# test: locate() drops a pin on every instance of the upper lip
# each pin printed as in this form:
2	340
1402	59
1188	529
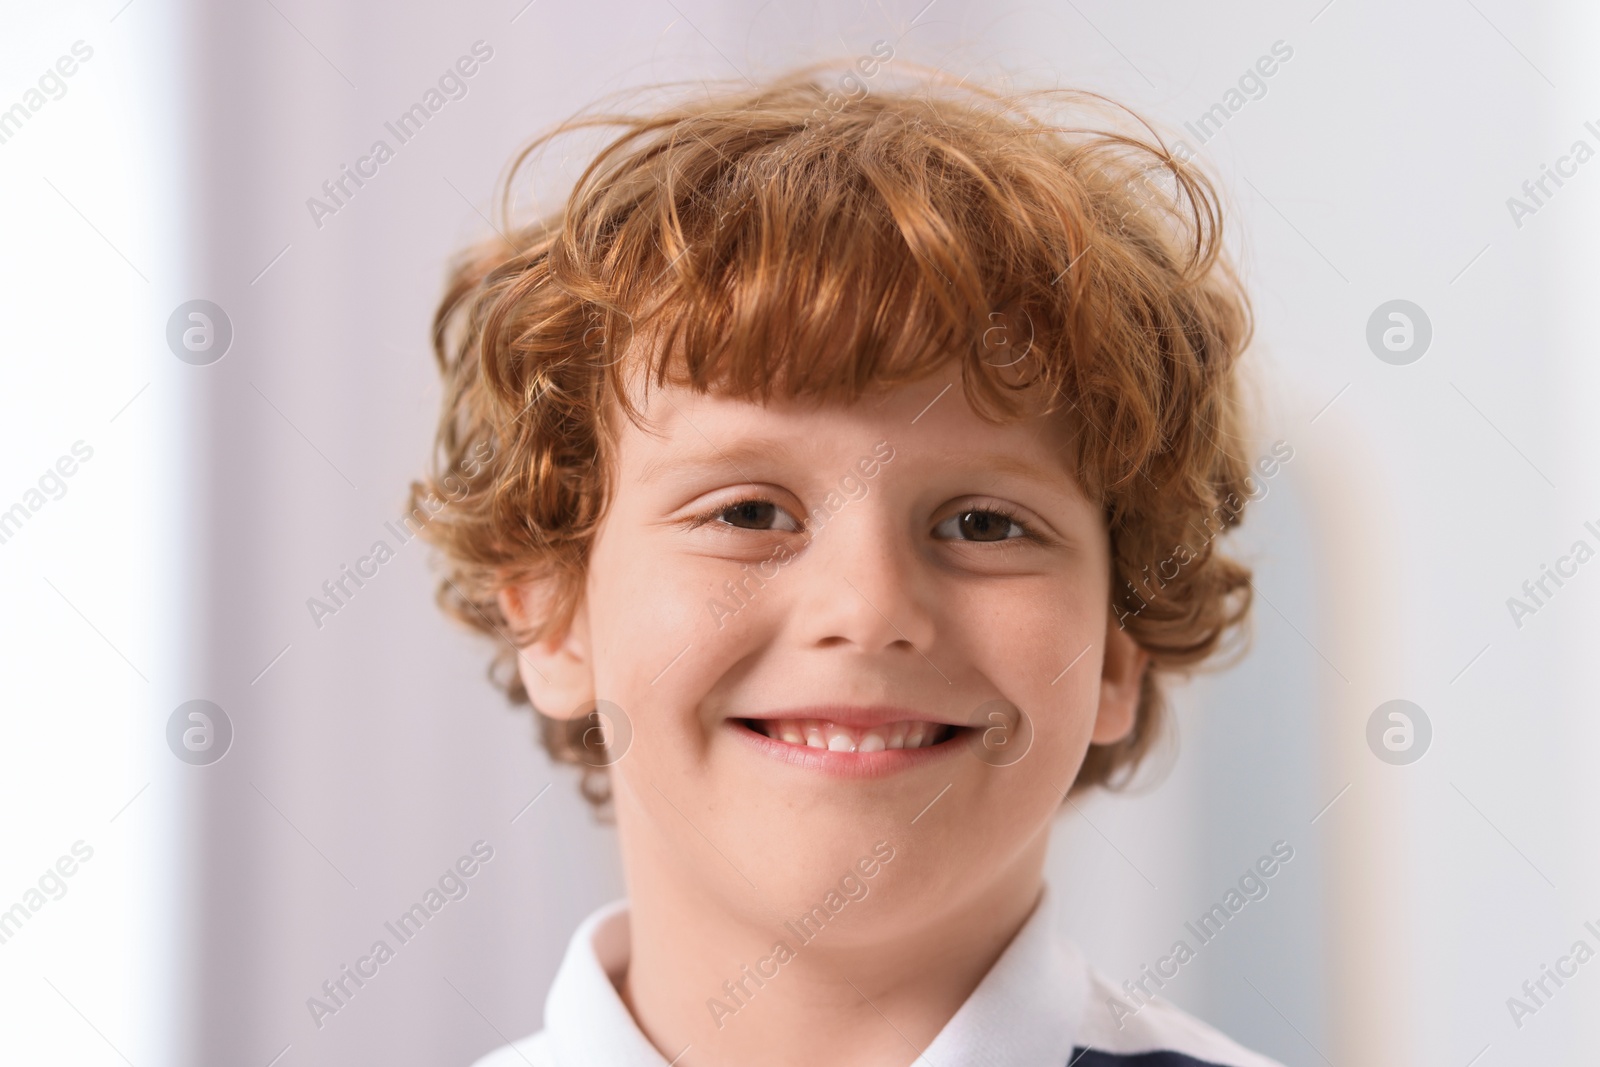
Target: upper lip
859	716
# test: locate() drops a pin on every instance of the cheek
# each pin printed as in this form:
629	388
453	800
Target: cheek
665	632
1040	643
641	616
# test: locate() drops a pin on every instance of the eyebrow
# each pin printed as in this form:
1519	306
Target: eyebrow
708	456
712	457
1006	463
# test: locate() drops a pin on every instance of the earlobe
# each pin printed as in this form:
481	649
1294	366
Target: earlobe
1121	682
555	669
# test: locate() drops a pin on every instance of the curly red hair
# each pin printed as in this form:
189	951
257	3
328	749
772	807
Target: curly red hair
785	240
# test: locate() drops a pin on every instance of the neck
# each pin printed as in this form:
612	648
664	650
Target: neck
707	971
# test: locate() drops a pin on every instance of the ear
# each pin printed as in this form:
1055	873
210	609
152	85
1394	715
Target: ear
1121	680
557	669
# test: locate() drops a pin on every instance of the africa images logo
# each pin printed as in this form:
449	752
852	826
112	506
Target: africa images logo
199	732
1399	732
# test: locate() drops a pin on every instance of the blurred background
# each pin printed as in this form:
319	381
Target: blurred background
173	490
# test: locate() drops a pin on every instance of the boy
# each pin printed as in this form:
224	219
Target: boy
833	440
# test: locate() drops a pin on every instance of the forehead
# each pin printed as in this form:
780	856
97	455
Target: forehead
929	422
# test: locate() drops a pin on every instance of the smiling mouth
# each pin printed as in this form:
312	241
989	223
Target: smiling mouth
820	733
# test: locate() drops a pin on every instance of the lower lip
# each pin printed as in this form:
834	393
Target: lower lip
845	764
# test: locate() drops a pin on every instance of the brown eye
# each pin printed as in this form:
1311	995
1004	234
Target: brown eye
983	526
751	514
757	515
978	525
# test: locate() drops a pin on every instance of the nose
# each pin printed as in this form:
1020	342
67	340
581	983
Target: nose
865	587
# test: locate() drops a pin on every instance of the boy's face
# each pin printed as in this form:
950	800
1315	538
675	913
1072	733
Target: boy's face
801	611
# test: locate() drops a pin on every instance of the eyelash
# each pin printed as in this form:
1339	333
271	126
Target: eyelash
1009	515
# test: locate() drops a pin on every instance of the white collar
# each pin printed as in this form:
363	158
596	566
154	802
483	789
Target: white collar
1015	1017
586	1021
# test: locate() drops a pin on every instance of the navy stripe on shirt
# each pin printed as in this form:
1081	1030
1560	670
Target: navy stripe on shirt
1082	1057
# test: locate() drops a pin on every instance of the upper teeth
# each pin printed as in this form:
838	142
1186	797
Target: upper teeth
819	733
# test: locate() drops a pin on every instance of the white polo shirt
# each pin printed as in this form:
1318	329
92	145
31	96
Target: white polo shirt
1040	1005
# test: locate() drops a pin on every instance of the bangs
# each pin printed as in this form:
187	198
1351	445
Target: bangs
808	272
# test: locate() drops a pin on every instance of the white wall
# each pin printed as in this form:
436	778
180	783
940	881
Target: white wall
94	423
372	753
